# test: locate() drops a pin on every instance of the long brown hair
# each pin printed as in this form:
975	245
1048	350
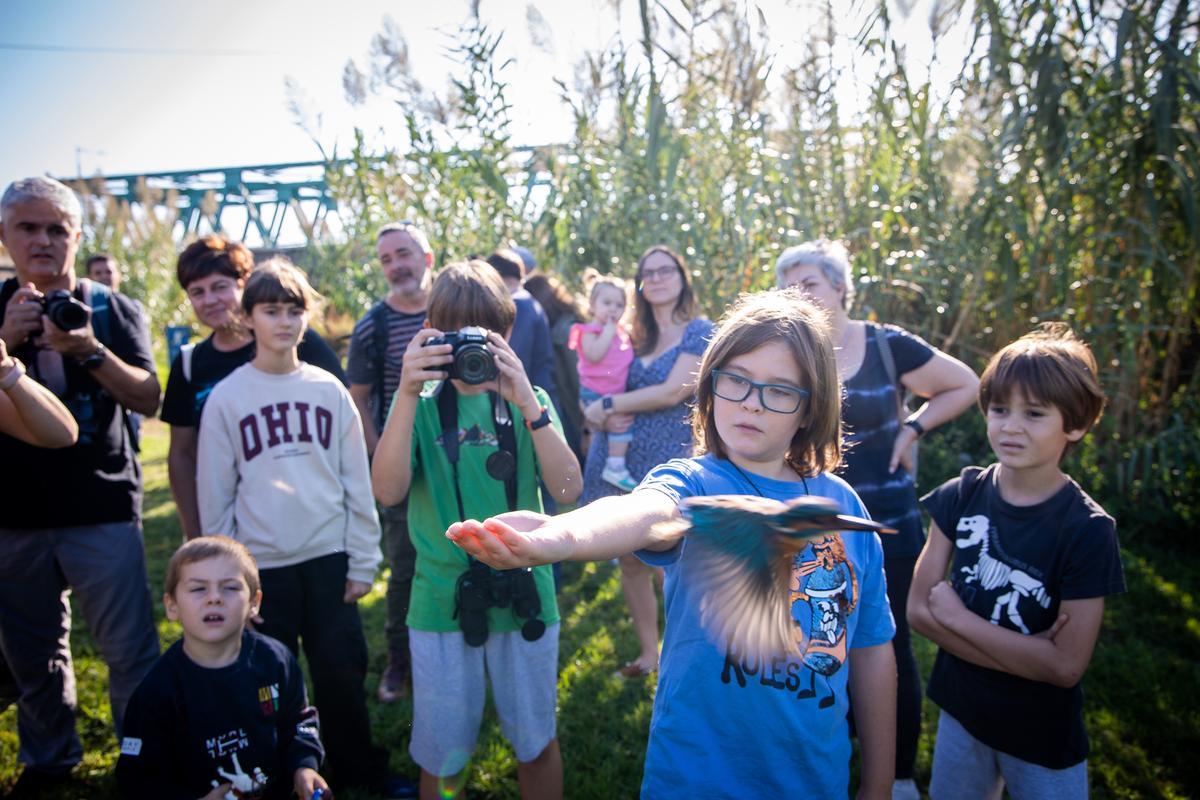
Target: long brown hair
784	316
555	298
644	330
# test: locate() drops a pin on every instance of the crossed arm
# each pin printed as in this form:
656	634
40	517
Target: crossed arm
1059	656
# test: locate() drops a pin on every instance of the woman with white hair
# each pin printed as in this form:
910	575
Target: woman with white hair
878	364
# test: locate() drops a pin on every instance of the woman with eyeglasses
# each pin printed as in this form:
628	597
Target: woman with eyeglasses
878	364
668	339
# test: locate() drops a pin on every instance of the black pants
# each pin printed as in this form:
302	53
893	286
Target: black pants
899	573
304	602
402	558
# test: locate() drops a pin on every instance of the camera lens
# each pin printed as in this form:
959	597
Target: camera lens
533	629
65	311
473	364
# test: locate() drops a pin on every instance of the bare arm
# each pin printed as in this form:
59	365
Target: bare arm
1060	659
678	387
30	412
950	387
134	388
873	697
931	569
607	528
181	472
391	470
559	466
361	393
595	345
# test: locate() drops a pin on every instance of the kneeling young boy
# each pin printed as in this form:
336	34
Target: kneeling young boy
223	707
473	446
1032	558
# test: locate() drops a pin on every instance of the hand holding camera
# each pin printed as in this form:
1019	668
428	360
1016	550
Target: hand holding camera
63	322
22	316
477	357
424	360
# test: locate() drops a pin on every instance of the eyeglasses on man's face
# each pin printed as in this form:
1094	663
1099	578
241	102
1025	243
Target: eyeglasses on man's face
659	273
776	397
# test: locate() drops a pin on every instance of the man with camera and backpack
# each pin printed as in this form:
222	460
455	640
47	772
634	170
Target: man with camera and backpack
468	437
74	516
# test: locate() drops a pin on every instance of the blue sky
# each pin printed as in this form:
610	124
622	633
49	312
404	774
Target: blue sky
146	85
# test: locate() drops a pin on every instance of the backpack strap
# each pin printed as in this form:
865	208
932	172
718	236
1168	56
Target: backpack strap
379	340
889	366
99	298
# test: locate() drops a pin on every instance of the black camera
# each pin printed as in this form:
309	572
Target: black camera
473	360
64	311
481	588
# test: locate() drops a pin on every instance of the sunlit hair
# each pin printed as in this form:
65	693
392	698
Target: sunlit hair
470	293
48	190
555	298
594	280
1050	366
644	330
278	280
404	226
205	547
788	317
508	263
214	254
830	256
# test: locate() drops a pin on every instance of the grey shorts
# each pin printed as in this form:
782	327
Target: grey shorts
964	768
449	694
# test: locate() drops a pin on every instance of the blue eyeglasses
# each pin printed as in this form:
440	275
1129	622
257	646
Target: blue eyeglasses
773	396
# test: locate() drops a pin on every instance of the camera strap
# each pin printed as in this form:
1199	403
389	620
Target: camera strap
447	403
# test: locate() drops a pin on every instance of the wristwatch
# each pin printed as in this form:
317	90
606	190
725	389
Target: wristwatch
916	426
606	402
13	375
542	421
95	359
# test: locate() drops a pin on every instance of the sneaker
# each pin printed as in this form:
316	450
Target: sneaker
393	683
905	789
619	478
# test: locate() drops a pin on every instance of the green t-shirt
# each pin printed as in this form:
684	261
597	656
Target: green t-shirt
432	506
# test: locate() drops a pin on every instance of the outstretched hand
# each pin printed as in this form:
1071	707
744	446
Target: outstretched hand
508	541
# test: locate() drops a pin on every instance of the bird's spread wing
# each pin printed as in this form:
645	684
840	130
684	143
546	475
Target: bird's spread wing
744	574
742	549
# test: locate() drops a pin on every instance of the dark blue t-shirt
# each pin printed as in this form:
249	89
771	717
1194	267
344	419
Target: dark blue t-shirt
870	414
1014	565
99	475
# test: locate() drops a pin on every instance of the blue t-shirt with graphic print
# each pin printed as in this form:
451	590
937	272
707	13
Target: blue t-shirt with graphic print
724	726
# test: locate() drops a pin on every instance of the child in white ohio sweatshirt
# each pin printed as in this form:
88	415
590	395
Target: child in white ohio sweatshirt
282	468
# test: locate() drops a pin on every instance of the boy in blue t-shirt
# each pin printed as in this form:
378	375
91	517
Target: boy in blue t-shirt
475	445
1031	558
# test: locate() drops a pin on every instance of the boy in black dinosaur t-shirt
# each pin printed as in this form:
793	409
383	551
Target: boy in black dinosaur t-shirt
224	708
1032	558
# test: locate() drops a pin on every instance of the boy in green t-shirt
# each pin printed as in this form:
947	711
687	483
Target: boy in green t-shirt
464	619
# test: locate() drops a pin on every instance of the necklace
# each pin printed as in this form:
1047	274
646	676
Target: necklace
754	486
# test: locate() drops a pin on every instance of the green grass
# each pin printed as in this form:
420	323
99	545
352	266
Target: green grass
1143	689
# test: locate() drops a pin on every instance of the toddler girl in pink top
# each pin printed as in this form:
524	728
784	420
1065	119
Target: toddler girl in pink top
606	352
